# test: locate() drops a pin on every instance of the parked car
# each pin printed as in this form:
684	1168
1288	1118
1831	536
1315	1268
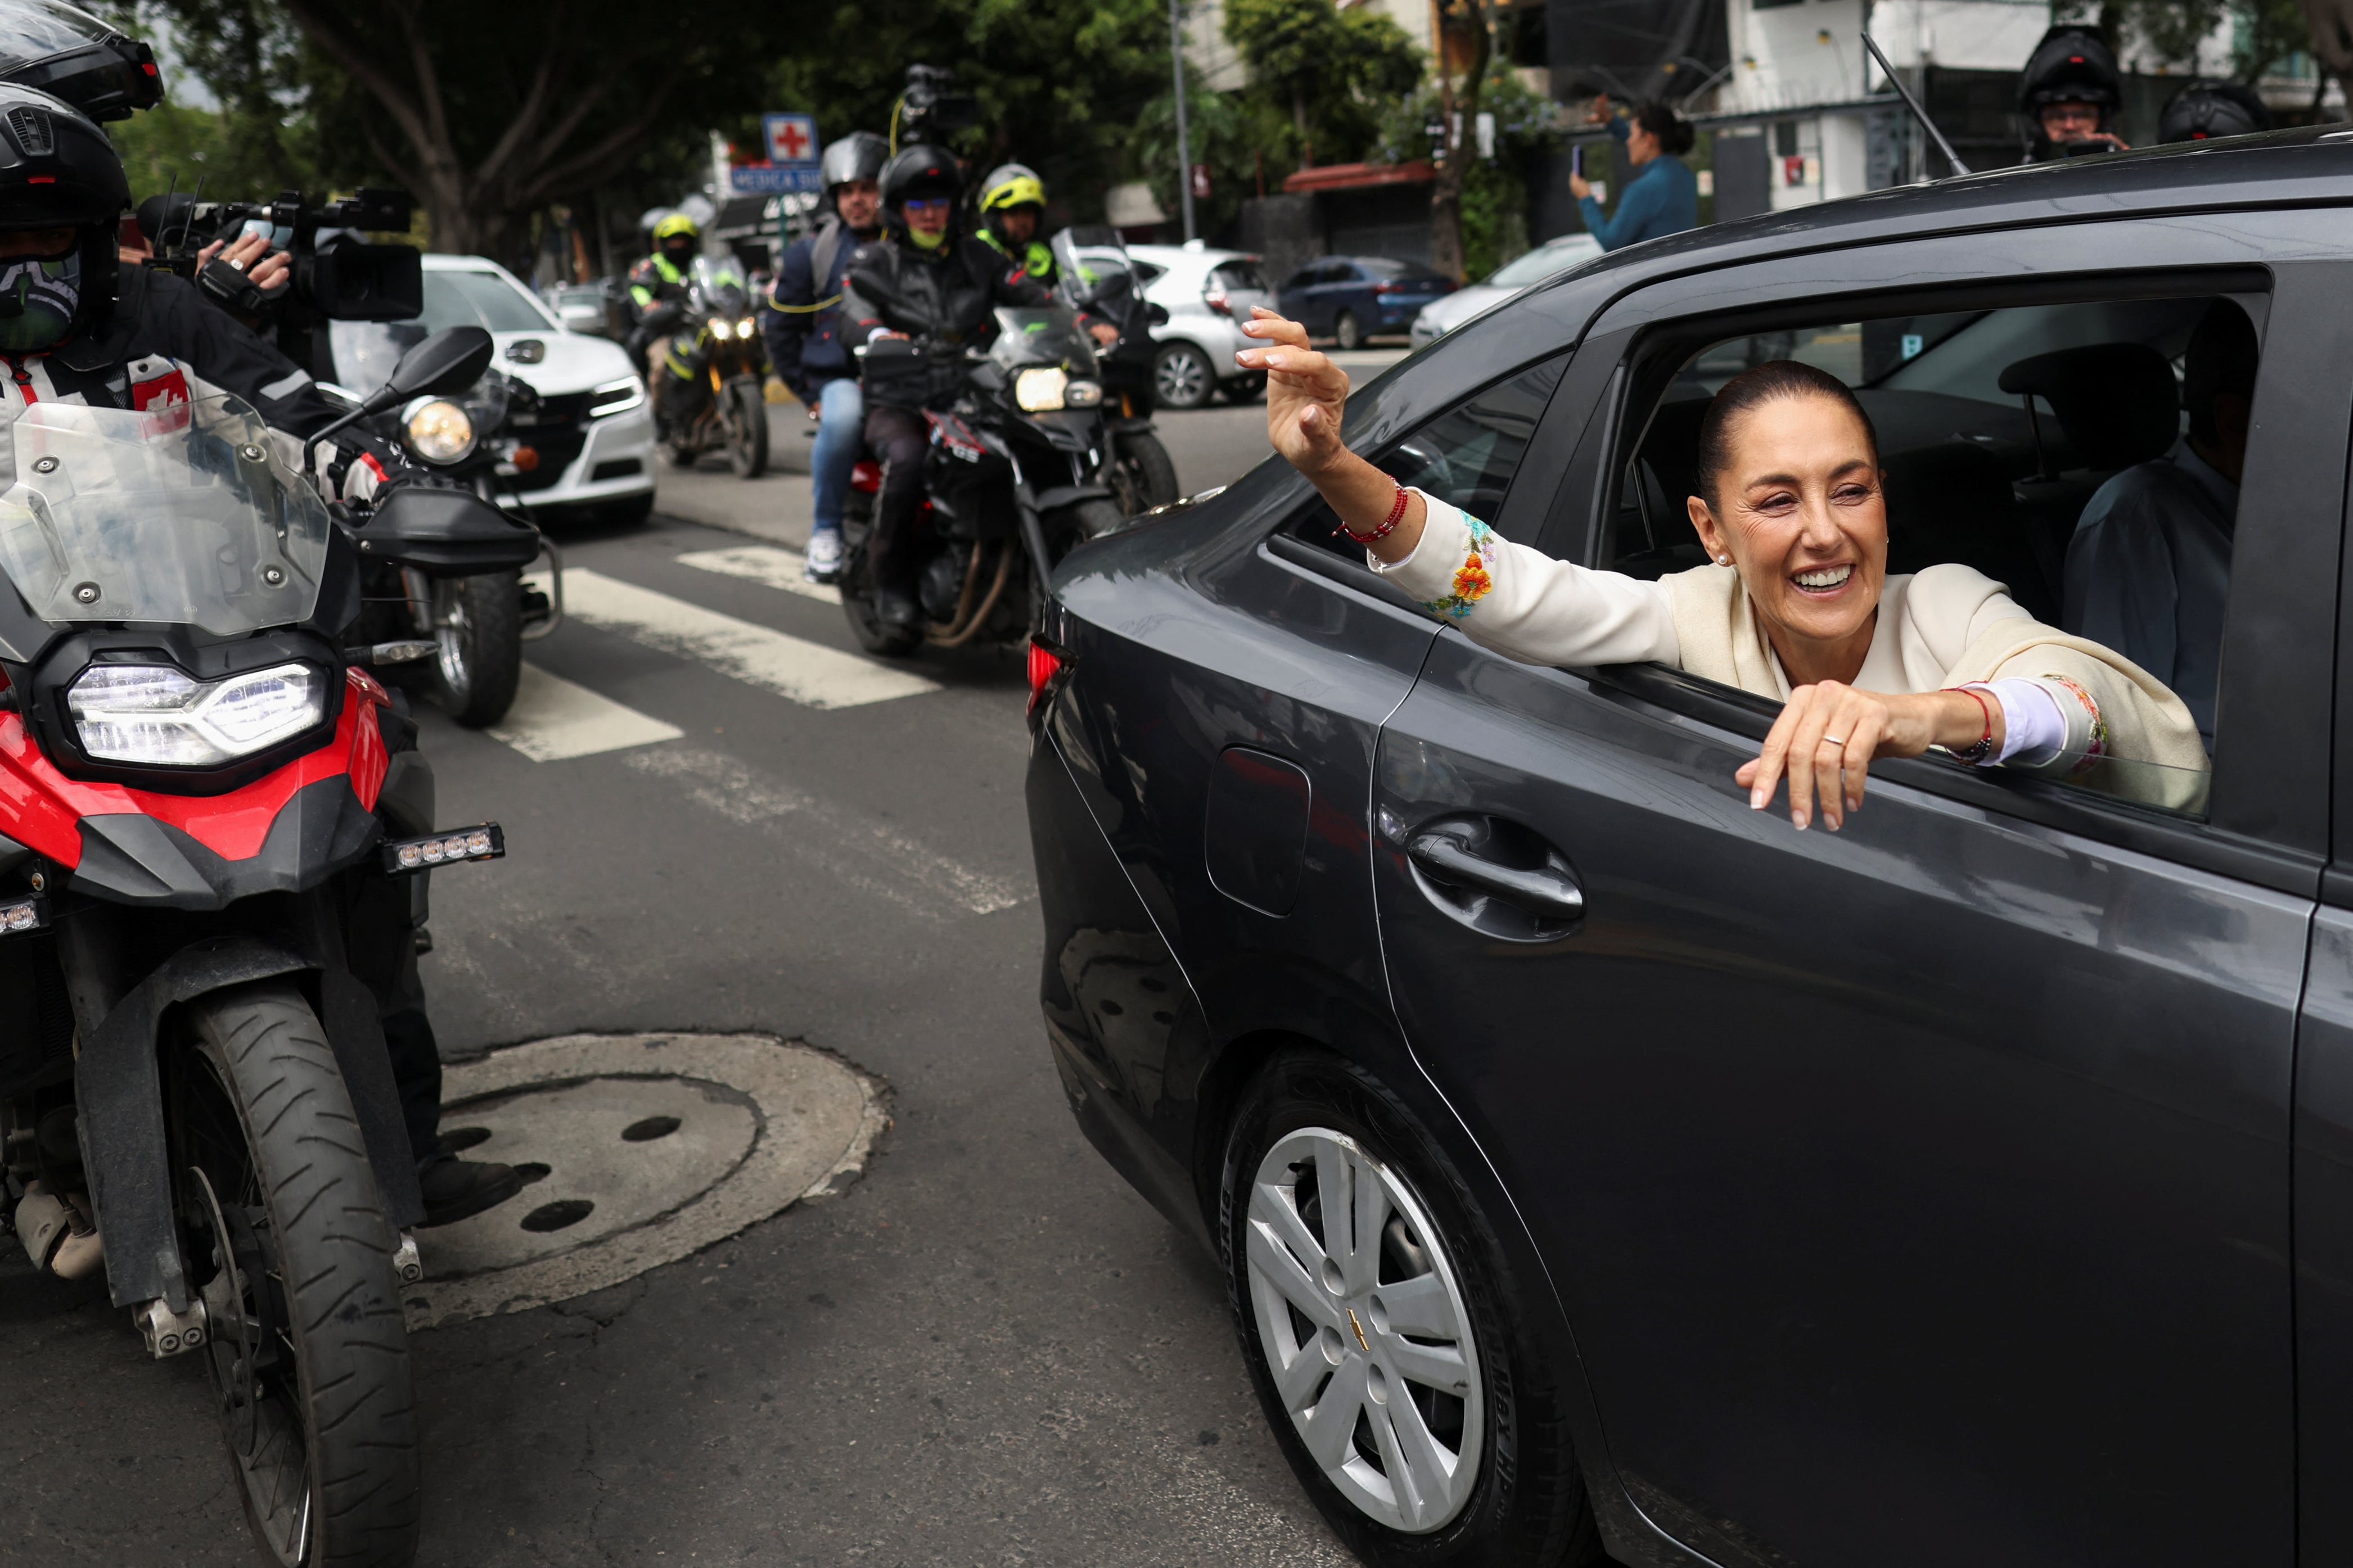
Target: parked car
573	403
1553	256
589	308
1597	1164
1349	299
1208	295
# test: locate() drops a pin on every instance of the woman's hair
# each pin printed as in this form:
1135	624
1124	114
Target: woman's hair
1777	381
1673	132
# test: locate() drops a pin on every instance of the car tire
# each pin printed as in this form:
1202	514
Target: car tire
1513	1494
1347	331
1182	378
629	513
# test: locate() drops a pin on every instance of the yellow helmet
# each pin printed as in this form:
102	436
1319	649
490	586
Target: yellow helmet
674	225
1012	185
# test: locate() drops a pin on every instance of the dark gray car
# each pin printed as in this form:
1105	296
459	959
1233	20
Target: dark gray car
1597	1162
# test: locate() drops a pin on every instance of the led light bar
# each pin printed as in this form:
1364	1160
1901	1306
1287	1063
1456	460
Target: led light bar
483	842
23	914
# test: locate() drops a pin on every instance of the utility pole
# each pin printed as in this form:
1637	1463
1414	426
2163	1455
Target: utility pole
1183	141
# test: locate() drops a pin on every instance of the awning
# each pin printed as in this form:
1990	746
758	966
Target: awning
1358	176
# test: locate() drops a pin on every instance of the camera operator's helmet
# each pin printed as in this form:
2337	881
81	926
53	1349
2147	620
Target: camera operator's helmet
921	172
857	157
677	238
1010	186
63	174
72	54
2209	109
2072	64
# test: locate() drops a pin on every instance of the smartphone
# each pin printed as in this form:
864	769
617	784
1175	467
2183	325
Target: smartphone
1576	161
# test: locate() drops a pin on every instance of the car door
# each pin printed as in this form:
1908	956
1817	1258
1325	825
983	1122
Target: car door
1918	1192
1297	293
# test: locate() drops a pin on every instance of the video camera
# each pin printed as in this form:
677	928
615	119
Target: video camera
339	279
931	107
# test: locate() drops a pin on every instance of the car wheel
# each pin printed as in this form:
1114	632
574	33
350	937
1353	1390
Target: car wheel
1385	1333
1348	332
1181	377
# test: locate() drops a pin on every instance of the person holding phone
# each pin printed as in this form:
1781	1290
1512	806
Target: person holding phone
1660	195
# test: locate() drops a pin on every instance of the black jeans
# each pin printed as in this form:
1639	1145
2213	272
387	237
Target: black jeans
380	937
899	436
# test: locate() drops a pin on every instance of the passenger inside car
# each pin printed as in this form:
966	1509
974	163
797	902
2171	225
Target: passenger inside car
1794	600
2148	569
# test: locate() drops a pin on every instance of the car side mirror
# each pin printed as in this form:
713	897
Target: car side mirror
446	363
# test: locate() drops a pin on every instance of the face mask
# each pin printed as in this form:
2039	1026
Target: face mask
928	241
38	301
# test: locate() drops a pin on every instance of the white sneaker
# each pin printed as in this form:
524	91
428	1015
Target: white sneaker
822	563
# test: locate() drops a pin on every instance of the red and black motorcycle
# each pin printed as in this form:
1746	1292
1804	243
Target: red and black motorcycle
211	822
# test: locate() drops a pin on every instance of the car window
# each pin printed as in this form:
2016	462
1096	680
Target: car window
1466	456
2075	453
1146	272
479	299
1239	275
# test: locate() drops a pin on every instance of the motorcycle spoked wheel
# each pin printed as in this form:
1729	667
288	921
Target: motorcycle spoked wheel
288	1246
1145	475
744	415
1067	528
478	646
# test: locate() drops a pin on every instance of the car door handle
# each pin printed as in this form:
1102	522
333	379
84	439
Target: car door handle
1549	892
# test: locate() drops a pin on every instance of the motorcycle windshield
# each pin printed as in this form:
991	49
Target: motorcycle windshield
181	514
1050	335
719	284
1094	275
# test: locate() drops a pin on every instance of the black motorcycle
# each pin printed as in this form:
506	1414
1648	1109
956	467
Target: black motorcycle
1096	278
1017	476
716	370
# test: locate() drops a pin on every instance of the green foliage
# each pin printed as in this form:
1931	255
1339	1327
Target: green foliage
1322	77
2264	33
236	156
1494	190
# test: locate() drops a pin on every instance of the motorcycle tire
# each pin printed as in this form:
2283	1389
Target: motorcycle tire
477	637
679	452
857	589
747	429
292	1255
1067	528
1151	471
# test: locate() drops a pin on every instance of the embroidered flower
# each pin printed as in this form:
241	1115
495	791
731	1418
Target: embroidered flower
1474	579
2096	746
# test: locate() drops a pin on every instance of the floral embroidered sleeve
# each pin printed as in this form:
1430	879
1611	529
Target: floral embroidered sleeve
1526	605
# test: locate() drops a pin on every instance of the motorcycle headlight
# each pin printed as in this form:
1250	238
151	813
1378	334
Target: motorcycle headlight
1083	394
156	714
743	328
438	430
1041	390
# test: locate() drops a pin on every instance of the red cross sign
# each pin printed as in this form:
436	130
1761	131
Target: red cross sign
791	137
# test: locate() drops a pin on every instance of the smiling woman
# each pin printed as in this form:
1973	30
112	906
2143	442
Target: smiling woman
1795	603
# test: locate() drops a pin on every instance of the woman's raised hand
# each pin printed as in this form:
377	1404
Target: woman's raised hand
1305	392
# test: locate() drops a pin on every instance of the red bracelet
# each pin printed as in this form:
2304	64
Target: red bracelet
1397	515
1983	746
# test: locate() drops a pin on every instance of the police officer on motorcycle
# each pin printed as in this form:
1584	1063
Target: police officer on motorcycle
1012	209
658	288
804	330
924	279
75	326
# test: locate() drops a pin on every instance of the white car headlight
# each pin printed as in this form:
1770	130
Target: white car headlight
155	714
439	431
1040	389
616	397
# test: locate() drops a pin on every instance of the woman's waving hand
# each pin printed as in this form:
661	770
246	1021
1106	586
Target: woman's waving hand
1305	396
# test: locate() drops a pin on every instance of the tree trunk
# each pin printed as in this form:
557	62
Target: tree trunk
1299	123
1459	120
2332	40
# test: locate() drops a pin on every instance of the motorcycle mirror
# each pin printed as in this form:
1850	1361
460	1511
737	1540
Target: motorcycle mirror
449	362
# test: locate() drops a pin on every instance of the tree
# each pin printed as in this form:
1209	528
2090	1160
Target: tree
1467	34
1493	203
1330	72
2264	33
487	112
2332	40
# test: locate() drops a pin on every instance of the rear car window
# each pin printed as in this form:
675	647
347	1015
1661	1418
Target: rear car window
1239	275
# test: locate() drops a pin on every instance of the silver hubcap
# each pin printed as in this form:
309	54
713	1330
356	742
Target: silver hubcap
1363	1325
449	632
1182	377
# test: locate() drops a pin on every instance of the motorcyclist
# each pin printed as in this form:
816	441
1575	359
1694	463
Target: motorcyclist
75	326
803	327
2209	109
658	290
2068	95
1012	209
924	279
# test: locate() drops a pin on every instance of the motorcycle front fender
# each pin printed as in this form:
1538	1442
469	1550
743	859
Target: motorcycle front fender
117	1088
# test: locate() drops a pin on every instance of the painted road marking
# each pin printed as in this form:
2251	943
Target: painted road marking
850	847
762	563
553	718
806	672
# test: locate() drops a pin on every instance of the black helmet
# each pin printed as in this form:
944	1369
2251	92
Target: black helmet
2209	109
62	173
922	170
2072	64
72	54
857	157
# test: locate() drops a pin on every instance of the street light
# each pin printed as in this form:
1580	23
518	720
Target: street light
1184	142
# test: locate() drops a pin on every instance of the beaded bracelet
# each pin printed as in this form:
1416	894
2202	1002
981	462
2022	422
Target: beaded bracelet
1397	515
1981	748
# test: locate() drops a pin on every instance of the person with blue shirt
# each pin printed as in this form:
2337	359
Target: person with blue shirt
1660	195
802	329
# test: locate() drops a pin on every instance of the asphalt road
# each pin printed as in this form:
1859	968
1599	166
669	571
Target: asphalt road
988	1351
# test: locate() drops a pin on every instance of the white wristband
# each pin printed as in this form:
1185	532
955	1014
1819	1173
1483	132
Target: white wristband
2033	726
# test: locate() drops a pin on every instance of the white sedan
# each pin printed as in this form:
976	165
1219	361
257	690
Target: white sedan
577	436
1442	316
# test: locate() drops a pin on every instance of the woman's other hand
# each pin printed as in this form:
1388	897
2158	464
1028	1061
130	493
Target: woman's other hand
1827	736
1305	392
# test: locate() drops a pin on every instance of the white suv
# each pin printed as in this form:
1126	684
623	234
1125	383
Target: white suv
1208	295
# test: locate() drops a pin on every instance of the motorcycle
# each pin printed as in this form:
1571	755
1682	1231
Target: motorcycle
212	826
1014	478
1096	278
717	367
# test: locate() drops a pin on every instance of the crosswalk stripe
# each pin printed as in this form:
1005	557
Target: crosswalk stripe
806	672
764	563
551	718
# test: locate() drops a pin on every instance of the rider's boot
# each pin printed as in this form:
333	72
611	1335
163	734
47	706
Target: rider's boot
453	1189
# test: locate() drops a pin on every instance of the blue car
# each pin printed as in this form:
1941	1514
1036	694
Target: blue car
1351	298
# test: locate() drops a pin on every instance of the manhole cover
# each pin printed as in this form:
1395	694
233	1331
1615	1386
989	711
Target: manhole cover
638	1150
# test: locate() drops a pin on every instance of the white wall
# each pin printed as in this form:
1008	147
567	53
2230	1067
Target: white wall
1969	34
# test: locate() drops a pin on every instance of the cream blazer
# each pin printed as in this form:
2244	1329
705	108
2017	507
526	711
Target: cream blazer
1944	627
